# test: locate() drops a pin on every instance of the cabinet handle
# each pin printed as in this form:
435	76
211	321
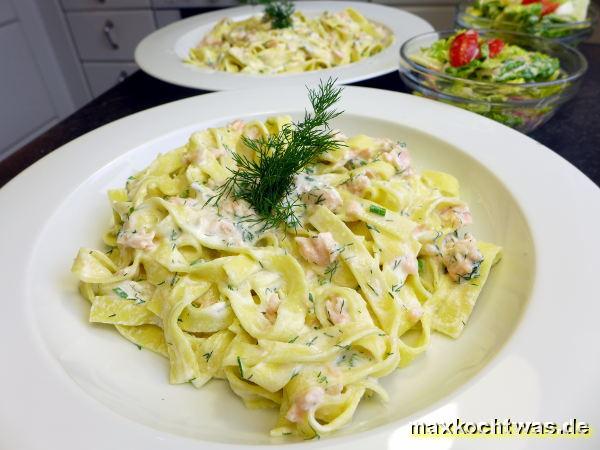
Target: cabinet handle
108	30
122	76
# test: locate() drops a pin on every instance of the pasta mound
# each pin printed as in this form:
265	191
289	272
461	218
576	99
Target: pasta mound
302	320
252	46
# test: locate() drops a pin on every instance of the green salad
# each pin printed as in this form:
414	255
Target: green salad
547	18
504	70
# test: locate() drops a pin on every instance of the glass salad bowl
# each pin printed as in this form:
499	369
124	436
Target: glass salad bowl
551	26
523	106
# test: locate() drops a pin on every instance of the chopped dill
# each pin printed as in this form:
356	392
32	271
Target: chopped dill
121	293
322	378
331	269
312	341
373	228
241	367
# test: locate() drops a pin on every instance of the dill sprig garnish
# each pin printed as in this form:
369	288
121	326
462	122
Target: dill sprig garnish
279	12
267	181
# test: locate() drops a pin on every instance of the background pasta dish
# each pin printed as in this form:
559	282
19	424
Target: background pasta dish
255	46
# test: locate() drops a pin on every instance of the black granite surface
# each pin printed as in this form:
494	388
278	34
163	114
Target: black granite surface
574	132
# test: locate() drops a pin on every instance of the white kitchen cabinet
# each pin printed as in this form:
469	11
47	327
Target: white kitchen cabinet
76	5
102	76
25	105
6	12
111	35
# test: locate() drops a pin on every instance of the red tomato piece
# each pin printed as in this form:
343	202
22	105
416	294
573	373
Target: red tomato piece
495	46
464	48
548	6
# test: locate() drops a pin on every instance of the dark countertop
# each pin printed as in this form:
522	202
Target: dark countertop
574	132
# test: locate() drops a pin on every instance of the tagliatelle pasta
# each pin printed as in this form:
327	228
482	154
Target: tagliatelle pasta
302	320
253	46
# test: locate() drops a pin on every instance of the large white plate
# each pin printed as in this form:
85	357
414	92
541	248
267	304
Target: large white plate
161	54
530	351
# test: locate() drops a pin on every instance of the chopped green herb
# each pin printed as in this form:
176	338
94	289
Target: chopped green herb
312	341
121	293
241	367
344	347
321	378
266	179
278	12
372	288
377	210
331	269
373	228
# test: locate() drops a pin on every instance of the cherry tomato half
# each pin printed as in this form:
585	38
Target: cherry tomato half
464	48
548	6
495	46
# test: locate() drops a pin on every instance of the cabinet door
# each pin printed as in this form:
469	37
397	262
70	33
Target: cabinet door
74	5
103	76
6	12
106	36
25	105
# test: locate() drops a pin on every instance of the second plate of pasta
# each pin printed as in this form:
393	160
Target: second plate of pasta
237	48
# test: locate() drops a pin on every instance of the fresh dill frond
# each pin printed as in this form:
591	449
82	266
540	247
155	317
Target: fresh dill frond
279	12
266	182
